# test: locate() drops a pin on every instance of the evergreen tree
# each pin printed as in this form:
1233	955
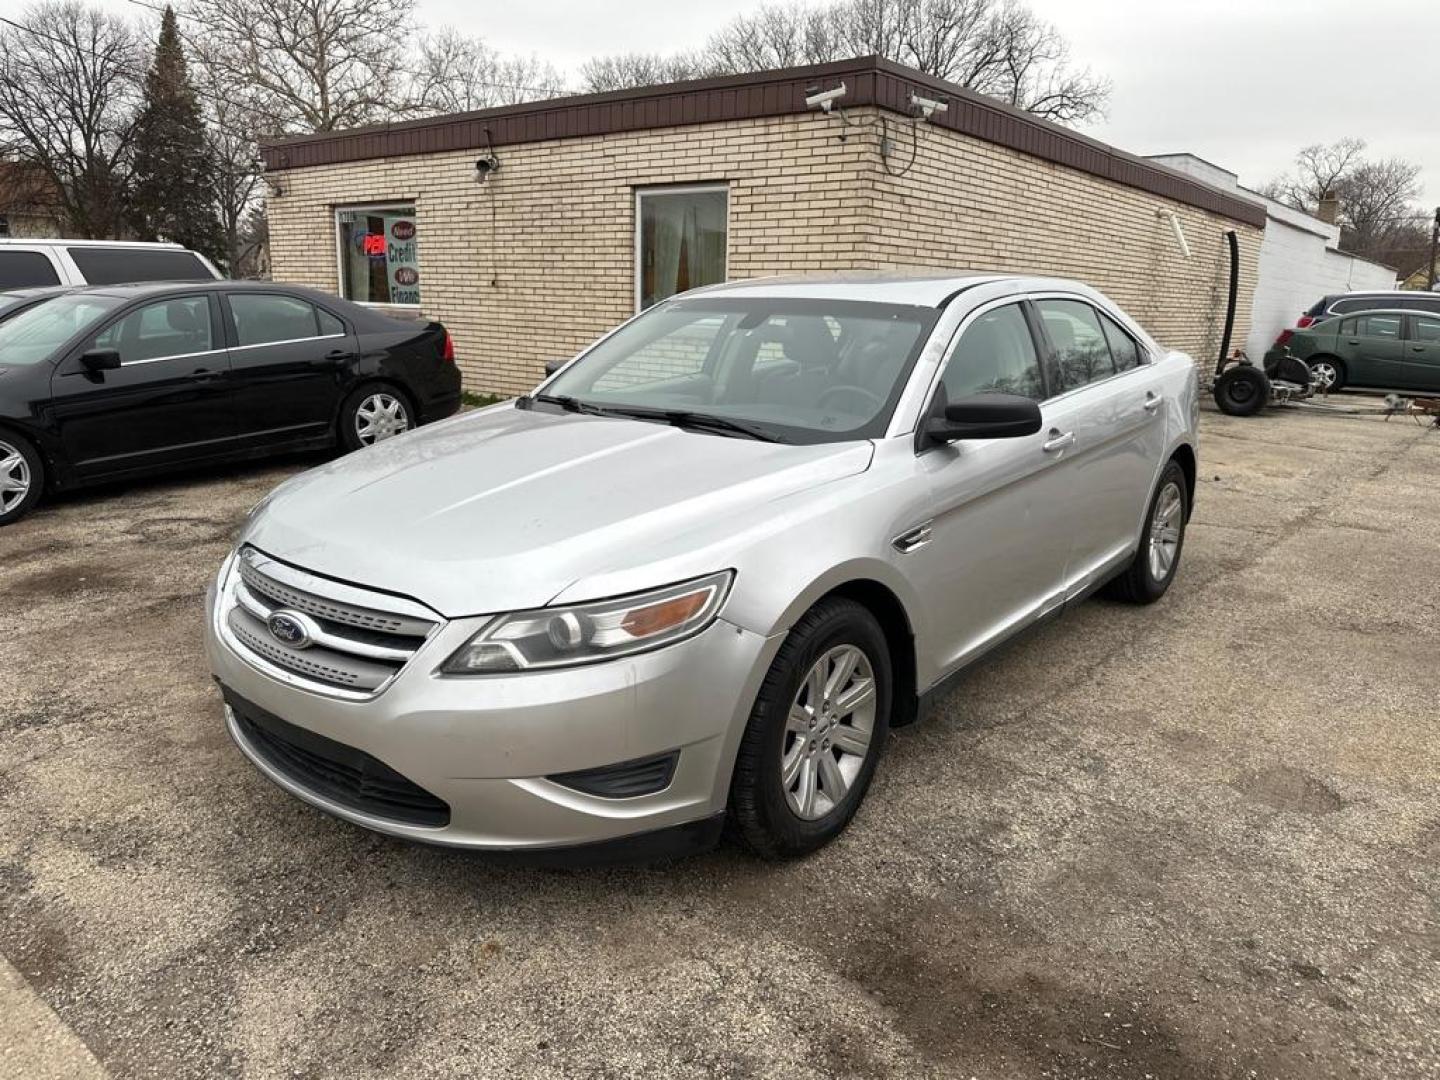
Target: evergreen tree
173	190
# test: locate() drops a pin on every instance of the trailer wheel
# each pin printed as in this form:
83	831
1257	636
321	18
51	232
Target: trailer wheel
1242	391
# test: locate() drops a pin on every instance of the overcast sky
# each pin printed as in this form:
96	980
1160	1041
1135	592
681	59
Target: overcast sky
1242	83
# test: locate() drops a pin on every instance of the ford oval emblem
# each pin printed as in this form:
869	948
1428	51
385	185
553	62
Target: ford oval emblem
291	628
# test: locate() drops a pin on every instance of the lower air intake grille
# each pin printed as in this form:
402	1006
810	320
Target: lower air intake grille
335	771
643	776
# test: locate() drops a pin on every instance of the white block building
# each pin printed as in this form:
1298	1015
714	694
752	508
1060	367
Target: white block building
1300	257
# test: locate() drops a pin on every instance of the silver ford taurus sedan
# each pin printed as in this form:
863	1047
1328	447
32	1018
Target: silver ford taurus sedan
699	573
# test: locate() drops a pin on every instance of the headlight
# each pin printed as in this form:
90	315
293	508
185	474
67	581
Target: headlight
586	633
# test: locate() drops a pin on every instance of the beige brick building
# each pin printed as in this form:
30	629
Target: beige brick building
600	203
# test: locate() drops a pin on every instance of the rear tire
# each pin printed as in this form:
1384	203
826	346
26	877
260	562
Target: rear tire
1153	569
1321	365
22	477
1242	391
374	412
813	740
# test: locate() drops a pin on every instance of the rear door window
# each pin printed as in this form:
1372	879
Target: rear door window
115	266
1425	328
22	269
1378	326
1081	353
268	318
1123	347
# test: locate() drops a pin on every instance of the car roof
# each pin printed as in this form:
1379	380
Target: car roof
54	241
916	288
1362	293
1341	316
35	291
133	289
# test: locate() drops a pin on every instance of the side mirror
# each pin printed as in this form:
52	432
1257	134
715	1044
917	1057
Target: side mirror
985	416
552	366
101	359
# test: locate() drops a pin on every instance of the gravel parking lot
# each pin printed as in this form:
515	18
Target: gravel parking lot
1194	840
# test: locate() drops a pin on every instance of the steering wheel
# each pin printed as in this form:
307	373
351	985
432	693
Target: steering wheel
835	391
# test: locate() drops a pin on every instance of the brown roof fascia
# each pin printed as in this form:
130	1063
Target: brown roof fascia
869	80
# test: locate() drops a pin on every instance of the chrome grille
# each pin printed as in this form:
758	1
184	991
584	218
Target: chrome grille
359	640
365	618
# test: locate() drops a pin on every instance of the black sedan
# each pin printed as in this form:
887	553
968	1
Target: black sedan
119	381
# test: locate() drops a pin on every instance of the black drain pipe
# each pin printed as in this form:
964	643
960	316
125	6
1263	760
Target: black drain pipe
1230	305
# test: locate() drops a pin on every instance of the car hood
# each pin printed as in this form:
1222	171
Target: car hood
503	509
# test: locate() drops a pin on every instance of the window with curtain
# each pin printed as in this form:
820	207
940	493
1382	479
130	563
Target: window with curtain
682	240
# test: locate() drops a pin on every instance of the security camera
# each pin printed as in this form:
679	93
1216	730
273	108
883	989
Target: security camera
928	107
485	166
824	100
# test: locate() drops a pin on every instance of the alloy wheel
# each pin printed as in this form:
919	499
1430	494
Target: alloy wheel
828	732
1165	531
379	417
15	479
1323	374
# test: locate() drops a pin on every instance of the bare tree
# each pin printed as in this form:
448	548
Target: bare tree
234	124
458	73
314	65
997	47
1319	172
1375	200
69	87
624	70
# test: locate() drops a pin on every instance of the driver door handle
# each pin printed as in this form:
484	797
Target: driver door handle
1058	441
1152	401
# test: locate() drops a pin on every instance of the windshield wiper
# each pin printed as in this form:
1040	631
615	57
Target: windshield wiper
569	404
710	422
681	418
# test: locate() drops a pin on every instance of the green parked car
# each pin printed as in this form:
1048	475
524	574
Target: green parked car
1389	350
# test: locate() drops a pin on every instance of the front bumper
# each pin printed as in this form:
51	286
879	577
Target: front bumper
485	745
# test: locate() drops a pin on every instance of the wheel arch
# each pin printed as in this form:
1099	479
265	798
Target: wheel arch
48	460
894	620
365	381
1184	456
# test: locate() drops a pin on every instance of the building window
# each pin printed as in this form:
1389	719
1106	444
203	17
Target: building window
680	238
377	247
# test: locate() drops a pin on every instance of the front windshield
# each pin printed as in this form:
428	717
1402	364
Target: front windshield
34	335
805	370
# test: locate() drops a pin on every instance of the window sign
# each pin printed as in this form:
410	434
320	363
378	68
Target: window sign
379	260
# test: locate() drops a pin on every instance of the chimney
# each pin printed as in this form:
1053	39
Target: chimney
1329	210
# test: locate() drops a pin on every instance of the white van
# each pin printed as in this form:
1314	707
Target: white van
26	264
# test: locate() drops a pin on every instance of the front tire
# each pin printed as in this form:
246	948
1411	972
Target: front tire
815	734
373	413
22	477
1149	575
